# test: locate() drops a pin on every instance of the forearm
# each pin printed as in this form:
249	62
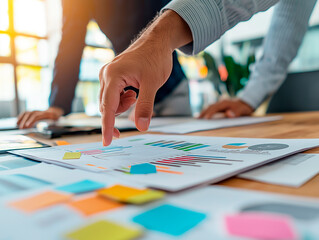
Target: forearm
288	27
209	19
168	32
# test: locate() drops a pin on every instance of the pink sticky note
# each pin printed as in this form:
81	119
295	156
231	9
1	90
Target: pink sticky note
91	152
260	226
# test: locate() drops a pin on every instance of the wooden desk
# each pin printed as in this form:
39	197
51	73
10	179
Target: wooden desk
295	125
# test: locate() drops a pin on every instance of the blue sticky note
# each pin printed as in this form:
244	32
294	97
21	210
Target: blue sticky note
143	168
81	187
169	219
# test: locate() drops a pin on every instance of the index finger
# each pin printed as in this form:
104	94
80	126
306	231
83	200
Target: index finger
109	103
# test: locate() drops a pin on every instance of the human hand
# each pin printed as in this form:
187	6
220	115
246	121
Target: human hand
143	69
145	65
28	119
230	107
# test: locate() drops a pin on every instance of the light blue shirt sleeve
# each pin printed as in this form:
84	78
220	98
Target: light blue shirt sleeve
288	27
209	19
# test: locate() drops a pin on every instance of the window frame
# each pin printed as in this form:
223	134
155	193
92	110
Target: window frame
12	59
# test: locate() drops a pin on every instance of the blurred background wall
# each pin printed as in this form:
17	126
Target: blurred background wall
30	31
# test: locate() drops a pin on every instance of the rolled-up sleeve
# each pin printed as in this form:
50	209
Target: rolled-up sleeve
209	19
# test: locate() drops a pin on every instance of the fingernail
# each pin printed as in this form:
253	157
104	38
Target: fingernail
143	123
231	114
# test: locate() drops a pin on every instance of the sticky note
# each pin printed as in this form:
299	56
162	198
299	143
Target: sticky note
102	230
120	192
40	201
92	152
61	143
169	219
260	226
81	187
94	205
144	168
145	197
71	155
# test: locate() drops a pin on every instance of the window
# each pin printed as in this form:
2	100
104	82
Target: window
24	73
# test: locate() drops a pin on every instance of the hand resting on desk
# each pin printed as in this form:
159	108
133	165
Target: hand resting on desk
28	119
230	107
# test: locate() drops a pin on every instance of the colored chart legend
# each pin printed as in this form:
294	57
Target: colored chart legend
178	145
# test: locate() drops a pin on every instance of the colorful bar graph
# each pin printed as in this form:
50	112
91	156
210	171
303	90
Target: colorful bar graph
194	161
178	145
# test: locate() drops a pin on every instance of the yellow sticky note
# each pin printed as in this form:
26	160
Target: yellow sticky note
40	201
71	155
148	196
102	230
120	192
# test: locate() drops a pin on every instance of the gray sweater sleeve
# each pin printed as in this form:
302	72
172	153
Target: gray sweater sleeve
288	27
209	19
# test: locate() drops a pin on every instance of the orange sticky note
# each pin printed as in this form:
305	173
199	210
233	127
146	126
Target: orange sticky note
40	201
93	205
120	192
61	143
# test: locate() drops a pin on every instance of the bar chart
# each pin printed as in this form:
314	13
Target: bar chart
176	165
194	161
178	145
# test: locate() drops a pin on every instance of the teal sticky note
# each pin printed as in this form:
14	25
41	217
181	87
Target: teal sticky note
169	219
81	187
144	168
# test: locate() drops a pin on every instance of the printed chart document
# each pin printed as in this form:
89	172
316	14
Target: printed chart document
292	171
203	125
181	161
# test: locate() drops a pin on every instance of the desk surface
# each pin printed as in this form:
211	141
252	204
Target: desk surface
293	125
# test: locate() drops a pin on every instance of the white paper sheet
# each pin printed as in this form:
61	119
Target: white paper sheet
203	125
292	171
181	161
52	174
120	122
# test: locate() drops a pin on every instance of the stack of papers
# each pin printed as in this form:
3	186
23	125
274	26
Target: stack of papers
292	171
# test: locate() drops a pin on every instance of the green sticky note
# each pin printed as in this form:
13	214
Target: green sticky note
149	196
102	230
71	155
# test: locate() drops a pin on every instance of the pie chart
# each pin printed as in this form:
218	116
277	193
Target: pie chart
268	146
